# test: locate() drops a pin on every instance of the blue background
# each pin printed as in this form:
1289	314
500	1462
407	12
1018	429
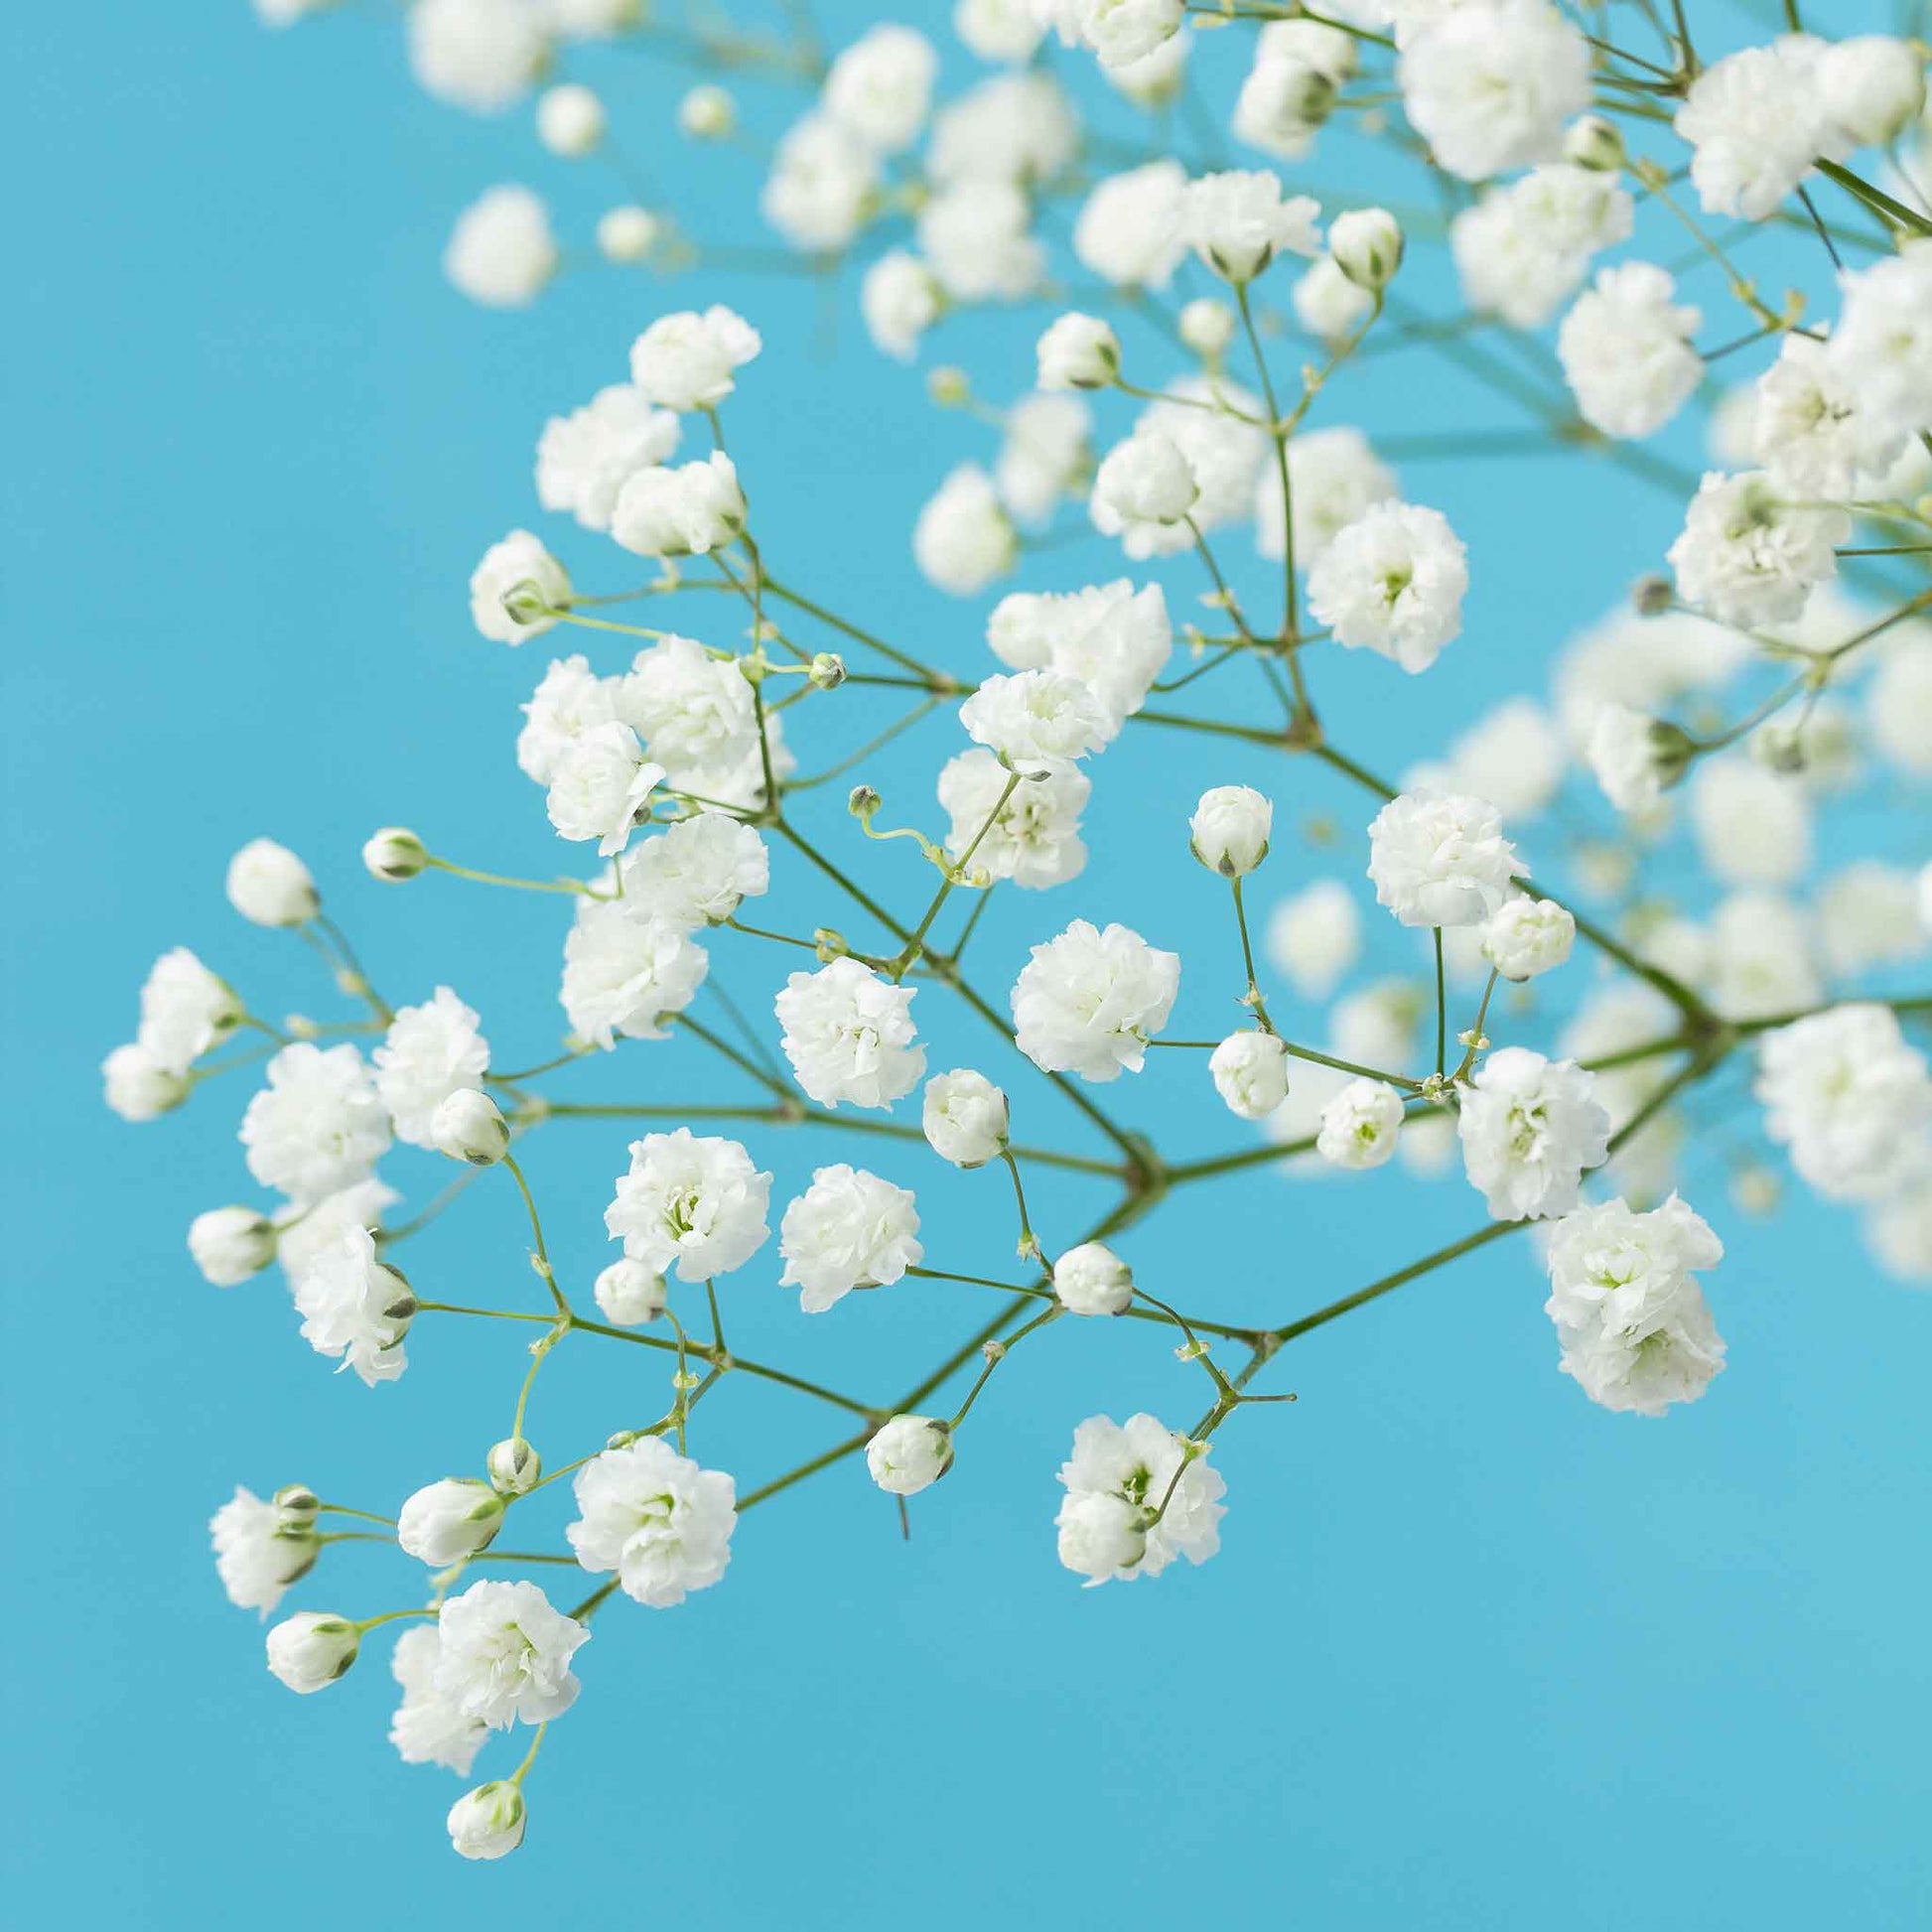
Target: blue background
1474	1654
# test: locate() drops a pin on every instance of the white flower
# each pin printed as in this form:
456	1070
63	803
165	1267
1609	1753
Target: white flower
821	184
662	1523
1873	88
138	1087
1218	426
311	1649
505	1655
1526	936
269	886
1847	1093
976	237
356	1309
1237	222
1290	89
1392	581
1525	246
1334	478
1530	1129
1626	351
1513	757
514	586
1033	837
1441	860
1118	1478
1753	826
698	719
963	541
185	1010
998	30
706	112
1882	344
1092	1280
1044	454
1230	828
1329	305
685	360
697	872
880	88
1748	556
1250	1072
697	1201
318	1127
1366	245
570	121
1207	327
1756	121
1144	490
630	1294
1132	229
489	1822
628	973
231	1244
585	458
899	299
1034	718
601	787
849	1034
695	508
1759	958
1078	352
304	1233
626	234
1867	916
1807	429
428	1728
1635	756
1629	1314
964	1118
468	1126
1491	83
501	253
429	1052
260	1549
449	1521
1111	637
570	700
909	1453
849	1230
1360	1125
1121	32
478	55
1315	937
1087	1001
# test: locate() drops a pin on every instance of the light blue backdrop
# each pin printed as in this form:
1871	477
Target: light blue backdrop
1475	1653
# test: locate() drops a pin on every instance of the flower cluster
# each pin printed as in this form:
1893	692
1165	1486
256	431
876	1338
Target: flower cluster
1526	963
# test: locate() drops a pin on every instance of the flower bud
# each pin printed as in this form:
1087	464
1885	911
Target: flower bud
449	1521
515	1468
707	113
909	1453
1593	143
1874	87
827	670
1526	936
487	1822
298	1506
1230	828
1207	326
1250	1072
862	801
1779	748
1366	245
1147	478
270	886
310	1651
1092	1280
626	234
965	1118
468	1126
630	1294
1101	1534
1078	352
395	853
229	1244
138	1087
570	120
1652	595
950	387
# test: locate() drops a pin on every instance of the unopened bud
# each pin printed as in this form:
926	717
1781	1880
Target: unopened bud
862	801
395	853
1652	595
1595	143
514	1466
707	113
468	1126
950	387
828	670
1366	245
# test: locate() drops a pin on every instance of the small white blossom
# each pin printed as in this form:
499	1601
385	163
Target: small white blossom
693	510
1752	826
429	1052
185	1010
1531	1128
697	1201
1441	860
821	187
516	582
138	1087
356	1309
964	1118
899	299
661	1522
1237	222
1092	1280
975	235
489	1822
428	1728
584	458
1751	558
849	1034
483	56
909	1453
449	1521
501	253
1315	937
849	1230
1078	352
1526	936
880	88
1087	1001
963	538
1033	837
1360	1125
686	361
311	1649
269	886
318	1127
260	1549
1111	637
231	1244
601	787
1626	351
505	1655
630	1294
468	1126
1230	828
1035	718
1527	245
1635	756
1882	344
1131	227
570	120
1756	121
1393	581
1120	1475
628	973
1142	492
1250	1073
